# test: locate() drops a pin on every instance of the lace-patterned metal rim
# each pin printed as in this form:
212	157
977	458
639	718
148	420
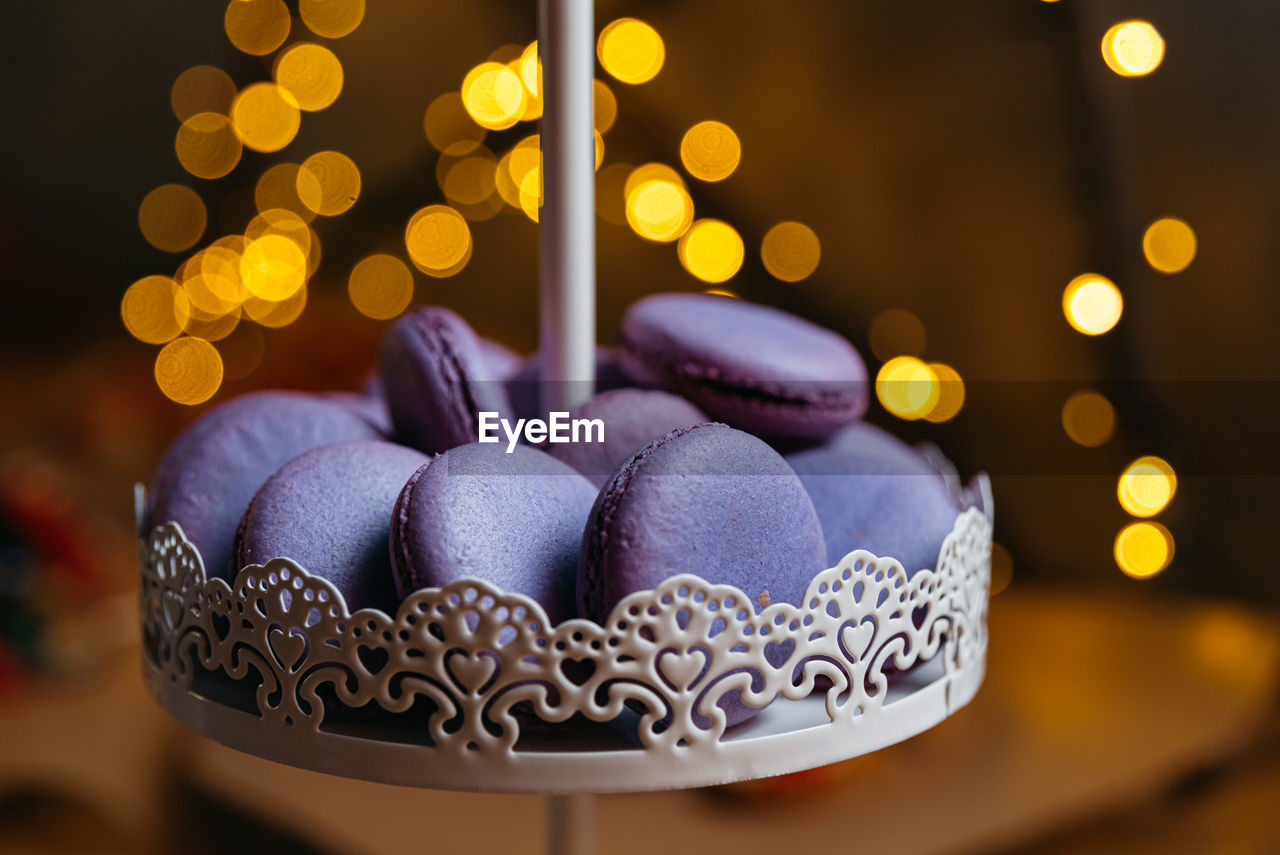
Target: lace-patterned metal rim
468	687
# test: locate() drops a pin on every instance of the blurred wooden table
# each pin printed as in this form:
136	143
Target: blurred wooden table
1089	705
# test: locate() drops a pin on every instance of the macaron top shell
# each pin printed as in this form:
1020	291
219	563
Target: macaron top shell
329	509
437	380
631	419
754	366
212	470
708	500
513	520
874	492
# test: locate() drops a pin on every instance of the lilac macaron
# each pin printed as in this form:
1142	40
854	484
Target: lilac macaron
630	419
754	367
210	473
874	492
438	380
525	389
513	520
709	500
329	509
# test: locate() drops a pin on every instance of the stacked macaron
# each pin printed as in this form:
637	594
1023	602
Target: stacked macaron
390	491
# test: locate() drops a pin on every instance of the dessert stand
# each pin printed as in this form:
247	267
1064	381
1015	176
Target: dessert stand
469	687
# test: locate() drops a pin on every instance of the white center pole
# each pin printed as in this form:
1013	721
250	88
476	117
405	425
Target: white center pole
570	825
567	263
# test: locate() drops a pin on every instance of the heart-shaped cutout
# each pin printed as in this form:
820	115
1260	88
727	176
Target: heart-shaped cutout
682	669
171	606
471	671
857	638
578	671
221	625
374	659
287	649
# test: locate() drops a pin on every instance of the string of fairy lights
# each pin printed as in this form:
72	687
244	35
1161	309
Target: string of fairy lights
259	278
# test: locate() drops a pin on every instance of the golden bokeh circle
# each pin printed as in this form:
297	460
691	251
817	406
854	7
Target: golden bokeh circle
1143	549
201	89
790	251
380	286
311	73
1092	304
331	19
278	188
907	387
1146	486
1169	245
328	183
711	250
1132	48
265	115
631	50
207	145
494	95
438	240
257	27
447	122
659	210
155	310
277	313
172	217
604	106
1088	418
897	332
273	267
188	370
710	151
951	394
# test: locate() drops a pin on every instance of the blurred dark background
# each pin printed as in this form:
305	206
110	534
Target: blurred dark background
962	162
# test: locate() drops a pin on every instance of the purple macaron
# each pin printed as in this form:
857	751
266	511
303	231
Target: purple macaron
438	380
513	520
211	471
525	389
631	419
329	509
503	361
754	367
708	500
874	492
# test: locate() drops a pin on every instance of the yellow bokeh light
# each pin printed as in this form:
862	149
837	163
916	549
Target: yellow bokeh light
257	27
447	122
494	96
611	200
265	115
331	19
278	188
328	183
631	50
189	370
211	292
280	221
155	310
604	106
907	387
659	210
273	267
531	69
790	251
950	393
311	73
531	193
201	89
897	332
207	145
710	151
211	327
518	176
172	217
1169	245
470	180
1132	48
438	241
277	313
711	250
1092	304
1088	419
599	147
1147	486
380	287
650	172
1143	549
721	292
